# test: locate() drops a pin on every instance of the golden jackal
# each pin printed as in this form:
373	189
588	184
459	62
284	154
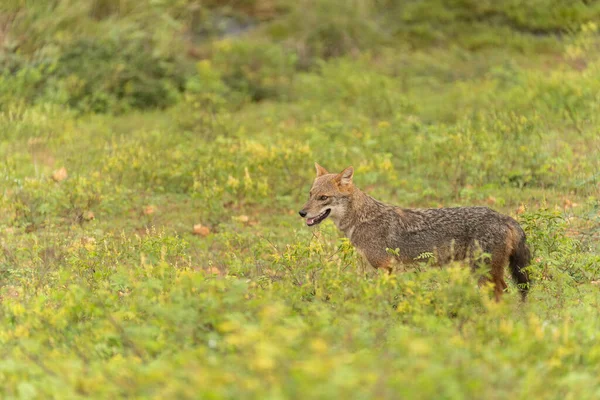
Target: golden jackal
459	233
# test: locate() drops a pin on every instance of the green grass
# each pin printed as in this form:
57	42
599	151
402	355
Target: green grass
107	291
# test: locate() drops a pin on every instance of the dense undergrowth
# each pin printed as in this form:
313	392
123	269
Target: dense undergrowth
154	156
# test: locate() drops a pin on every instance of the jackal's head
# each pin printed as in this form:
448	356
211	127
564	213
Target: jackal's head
329	196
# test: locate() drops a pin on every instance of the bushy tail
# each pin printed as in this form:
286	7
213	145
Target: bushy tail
517	262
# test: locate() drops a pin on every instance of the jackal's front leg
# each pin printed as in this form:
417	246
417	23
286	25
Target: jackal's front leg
379	260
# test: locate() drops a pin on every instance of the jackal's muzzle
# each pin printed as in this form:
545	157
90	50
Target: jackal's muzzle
318	219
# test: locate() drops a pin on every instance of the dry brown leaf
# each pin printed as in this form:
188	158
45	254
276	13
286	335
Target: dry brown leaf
569	204
201	230
60	175
149	210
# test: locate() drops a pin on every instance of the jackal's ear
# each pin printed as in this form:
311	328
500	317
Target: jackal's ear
320	170
346	176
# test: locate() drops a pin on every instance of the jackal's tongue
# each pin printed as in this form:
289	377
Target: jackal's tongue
310	221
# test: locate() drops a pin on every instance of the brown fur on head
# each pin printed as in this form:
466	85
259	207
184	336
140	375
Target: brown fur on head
329	195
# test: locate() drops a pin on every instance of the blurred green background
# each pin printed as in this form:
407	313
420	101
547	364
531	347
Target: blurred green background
154	155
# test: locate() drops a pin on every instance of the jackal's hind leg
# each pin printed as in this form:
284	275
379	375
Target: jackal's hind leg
499	261
499	285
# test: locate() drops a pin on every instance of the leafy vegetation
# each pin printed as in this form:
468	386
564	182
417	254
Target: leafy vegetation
154	156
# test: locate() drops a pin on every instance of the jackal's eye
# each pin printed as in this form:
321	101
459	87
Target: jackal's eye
323	198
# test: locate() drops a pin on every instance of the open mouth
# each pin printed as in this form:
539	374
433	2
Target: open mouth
318	218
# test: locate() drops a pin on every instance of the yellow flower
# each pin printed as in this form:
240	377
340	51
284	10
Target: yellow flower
233	182
318	345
